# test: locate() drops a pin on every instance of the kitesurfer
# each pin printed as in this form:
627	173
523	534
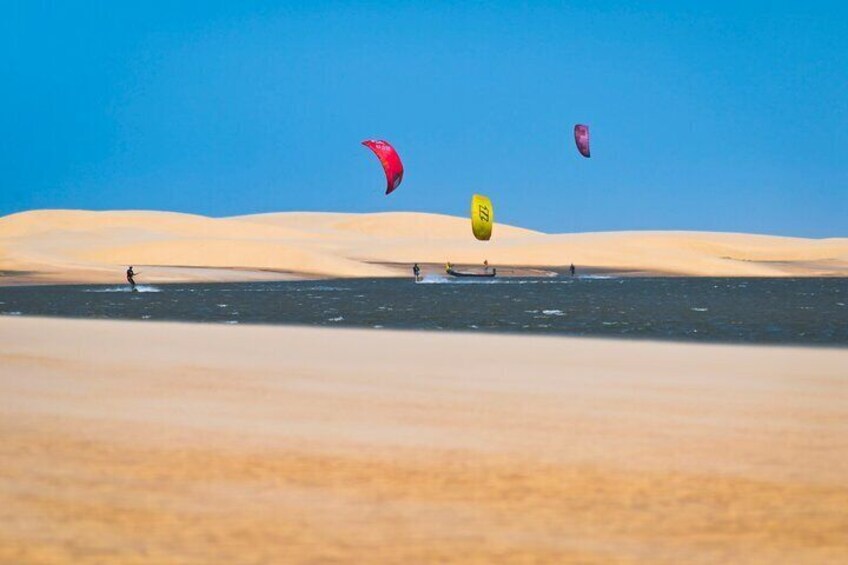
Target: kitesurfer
485	265
448	267
416	270
572	269
130	275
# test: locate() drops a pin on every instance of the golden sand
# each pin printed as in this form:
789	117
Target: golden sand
180	443
95	247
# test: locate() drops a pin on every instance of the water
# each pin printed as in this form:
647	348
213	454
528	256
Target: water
796	311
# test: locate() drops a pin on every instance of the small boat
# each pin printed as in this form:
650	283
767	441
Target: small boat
453	273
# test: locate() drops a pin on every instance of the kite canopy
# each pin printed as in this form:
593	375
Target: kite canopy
581	138
482	217
390	161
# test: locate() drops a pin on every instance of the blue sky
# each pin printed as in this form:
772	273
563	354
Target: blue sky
729	116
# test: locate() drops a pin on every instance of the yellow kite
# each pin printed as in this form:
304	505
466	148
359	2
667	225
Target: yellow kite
482	217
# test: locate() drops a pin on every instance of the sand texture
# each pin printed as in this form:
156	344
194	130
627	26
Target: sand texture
177	443
56	246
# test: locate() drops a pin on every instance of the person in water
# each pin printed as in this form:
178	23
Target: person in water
572	269
416	270
448	266
130	279
485	265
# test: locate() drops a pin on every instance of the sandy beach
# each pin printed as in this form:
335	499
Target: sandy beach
76	246
179	443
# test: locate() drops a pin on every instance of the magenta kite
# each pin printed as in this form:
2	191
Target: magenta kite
390	161
581	138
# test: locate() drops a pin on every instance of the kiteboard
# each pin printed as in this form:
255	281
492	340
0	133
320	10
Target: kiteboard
453	273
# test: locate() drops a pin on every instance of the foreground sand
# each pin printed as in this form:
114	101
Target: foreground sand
61	246
176	443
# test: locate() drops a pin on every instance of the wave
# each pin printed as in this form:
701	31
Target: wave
138	288
442	279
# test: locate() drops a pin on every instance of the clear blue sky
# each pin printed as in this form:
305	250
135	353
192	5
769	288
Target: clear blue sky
727	116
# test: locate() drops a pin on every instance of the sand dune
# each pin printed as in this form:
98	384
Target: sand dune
177	443
83	246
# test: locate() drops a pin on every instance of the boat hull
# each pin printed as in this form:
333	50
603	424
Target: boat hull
453	273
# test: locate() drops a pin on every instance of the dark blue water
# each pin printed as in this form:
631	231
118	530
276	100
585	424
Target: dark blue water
797	311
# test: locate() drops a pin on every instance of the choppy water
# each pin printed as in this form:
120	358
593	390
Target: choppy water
799	311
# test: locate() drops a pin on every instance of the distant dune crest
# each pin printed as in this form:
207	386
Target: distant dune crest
85	246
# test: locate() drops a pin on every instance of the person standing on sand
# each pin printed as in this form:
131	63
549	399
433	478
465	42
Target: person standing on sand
130	275
416	270
572	269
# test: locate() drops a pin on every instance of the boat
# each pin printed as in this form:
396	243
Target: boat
453	273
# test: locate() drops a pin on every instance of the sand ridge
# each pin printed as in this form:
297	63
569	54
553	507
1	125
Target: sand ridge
84	246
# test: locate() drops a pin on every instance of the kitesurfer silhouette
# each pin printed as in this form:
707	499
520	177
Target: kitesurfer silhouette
416	270
130	275
572	269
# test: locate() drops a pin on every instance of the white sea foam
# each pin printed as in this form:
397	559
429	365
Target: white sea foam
441	279
138	288
700	309
553	312
434	279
